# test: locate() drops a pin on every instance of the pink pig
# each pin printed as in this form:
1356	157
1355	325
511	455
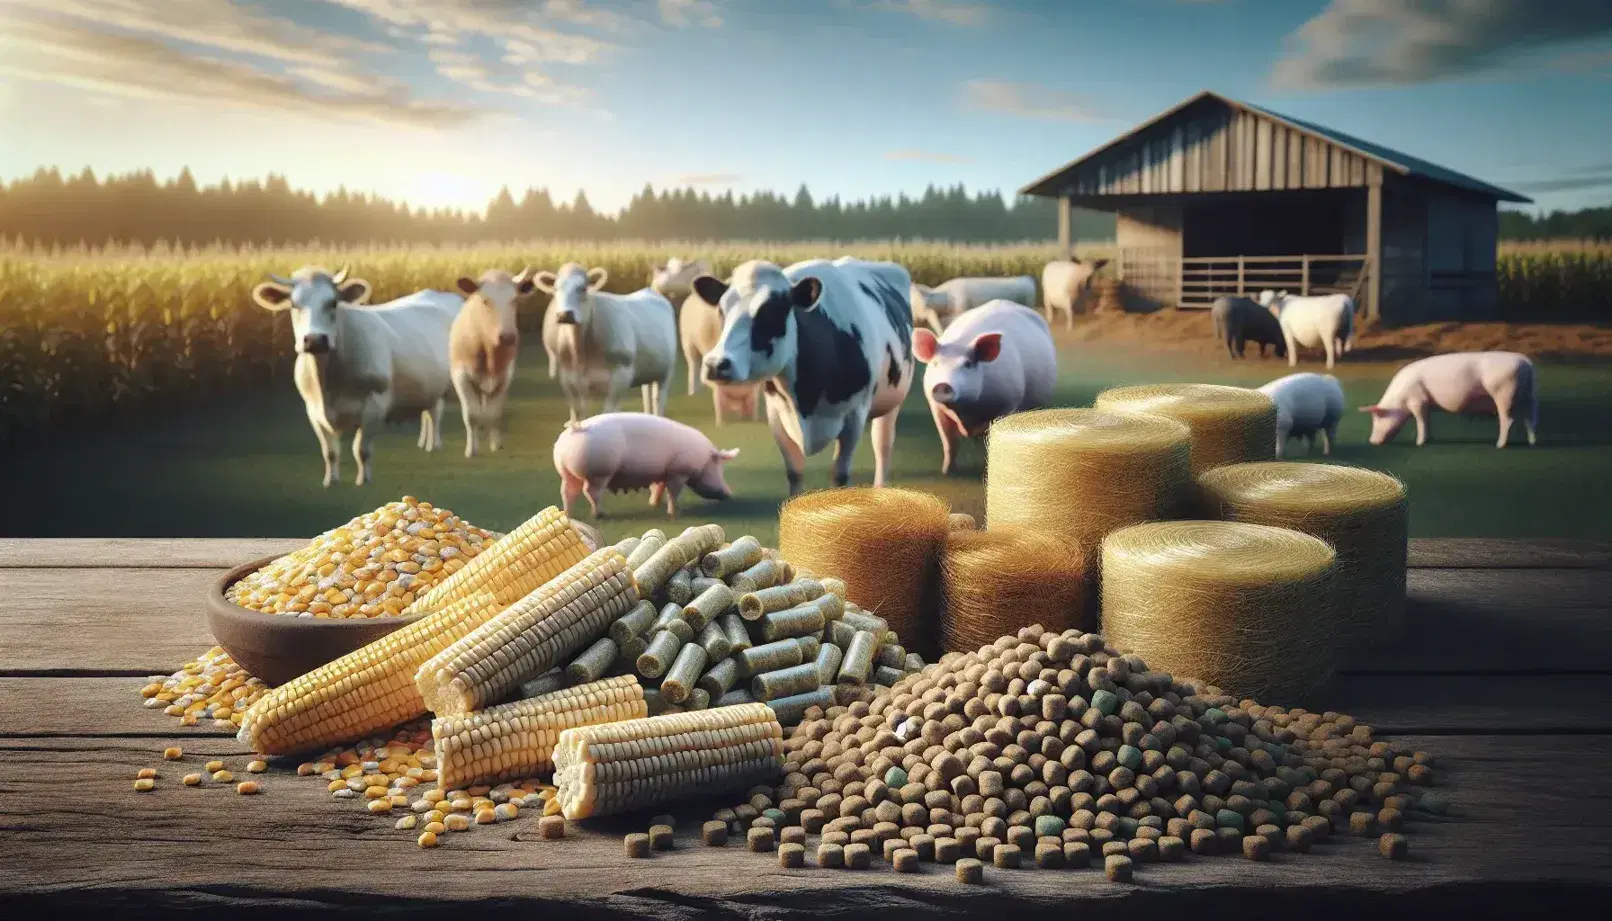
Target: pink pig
629	451
1479	383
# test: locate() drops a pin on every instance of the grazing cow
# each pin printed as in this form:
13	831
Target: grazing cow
1065	284
608	343
939	306
1239	320
481	352
674	278
996	359
1476	383
832	341
359	367
699	328
1323	321
1307	405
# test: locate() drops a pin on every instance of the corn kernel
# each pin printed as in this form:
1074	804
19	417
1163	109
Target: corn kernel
247	787
428	839
173	754
144	785
379	806
214	766
146	774
223	776
257	767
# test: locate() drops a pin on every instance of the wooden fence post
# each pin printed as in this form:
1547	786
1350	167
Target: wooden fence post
1240	289
1304	276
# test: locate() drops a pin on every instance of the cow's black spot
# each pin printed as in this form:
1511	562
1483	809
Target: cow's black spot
771	322
897	311
829	363
892	373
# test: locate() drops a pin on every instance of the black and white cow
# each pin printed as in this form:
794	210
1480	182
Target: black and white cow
832	344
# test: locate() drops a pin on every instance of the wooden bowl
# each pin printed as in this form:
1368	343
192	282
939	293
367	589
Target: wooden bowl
276	648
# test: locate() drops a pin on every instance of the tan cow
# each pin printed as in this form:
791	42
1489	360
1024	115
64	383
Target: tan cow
699	328
1065	284
481	352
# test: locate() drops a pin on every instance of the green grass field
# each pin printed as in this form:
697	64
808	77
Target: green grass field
252	468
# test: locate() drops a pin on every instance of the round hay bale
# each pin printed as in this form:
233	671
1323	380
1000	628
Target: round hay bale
997	581
1229	424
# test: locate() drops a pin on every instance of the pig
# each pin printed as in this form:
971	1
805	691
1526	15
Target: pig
629	451
993	360
1307	405
1239	321
1478	383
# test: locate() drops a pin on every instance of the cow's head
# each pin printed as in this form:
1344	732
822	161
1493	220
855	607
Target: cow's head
313	297
496	291
1385	423
956	370
572	287
758	321
1273	300
674	276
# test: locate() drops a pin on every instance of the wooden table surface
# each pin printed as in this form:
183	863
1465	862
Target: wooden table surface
1505	675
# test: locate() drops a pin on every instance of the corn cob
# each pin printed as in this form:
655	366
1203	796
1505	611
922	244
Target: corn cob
620	767
514	566
527	638
517	739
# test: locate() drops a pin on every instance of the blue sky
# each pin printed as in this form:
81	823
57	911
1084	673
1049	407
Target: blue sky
439	102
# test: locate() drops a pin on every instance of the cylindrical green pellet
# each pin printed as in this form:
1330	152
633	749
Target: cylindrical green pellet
698	699
653	540
633	623
764	574
685	671
546	683
887	676
915	662
769	657
593	662
791	710
736	557
699	584
809	645
720	678
828	661
834	586
800	620
785	682
862	620
734	697
627	545
839	633
662	651
658	571
714	641
707	606
857	666
889	638
669	612
632	649
893	656
680	587
738	634
778	597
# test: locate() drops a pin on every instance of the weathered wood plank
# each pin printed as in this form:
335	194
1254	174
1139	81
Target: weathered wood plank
298	850
1502	553
141	552
1263	158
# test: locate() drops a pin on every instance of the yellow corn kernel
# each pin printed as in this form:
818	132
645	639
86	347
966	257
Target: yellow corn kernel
257	767
379	806
435	828
457	822
215	765
428	839
223	776
144	785
247	788
173	754
146	774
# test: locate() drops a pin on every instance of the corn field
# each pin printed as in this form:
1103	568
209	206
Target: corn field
88	333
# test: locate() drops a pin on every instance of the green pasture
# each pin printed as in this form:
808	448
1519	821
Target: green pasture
251	467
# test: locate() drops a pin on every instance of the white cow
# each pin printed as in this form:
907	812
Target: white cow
674	278
608	343
1065	284
1322	321
359	367
939	306
481	352
1307	406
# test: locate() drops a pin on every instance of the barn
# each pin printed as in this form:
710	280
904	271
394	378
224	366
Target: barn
1217	196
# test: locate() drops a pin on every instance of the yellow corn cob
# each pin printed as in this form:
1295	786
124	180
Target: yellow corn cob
514	566
531	635
372	688
620	767
517	739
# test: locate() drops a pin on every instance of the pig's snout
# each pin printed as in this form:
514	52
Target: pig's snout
943	393
719	370
315	343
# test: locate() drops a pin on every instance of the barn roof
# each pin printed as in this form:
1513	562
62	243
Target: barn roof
1052	184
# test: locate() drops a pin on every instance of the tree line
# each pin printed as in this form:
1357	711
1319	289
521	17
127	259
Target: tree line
50	209
1584	224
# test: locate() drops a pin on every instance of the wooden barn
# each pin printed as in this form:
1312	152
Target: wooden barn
1217	196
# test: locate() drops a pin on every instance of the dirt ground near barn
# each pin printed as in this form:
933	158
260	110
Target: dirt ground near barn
1191	330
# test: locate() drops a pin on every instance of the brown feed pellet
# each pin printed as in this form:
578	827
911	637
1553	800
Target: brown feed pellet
970	870
760	840
1363	824
551	827
714	833
1205	842
1117	868
858	856
1077	855
792	835
1143	850
660	837
890	846
637	844
1298	839
1390	819
1393	847
830	855
1256	847
792	856
904	860
1049	856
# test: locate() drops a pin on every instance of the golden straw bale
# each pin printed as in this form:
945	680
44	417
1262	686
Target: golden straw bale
884	543
1363	514
997	581
1246	607
1229	424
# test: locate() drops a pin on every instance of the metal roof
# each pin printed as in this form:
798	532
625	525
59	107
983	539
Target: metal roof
1401	163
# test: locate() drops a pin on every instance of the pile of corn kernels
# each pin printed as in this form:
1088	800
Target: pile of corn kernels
372	566
213	687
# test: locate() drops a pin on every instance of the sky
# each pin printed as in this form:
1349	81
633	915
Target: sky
441	102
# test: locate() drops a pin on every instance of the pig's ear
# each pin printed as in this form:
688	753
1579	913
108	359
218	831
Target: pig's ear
728	454
987	346
924	344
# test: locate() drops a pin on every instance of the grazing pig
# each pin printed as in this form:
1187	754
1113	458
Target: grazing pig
996	359
699	328
608	343
1307	405
1324	321
1239	320
939	306
358	368
481	352
1065	284
1477	383
674	278
629	451
831	341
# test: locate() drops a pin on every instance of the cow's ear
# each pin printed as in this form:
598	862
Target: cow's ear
710	289
271	296
466	285
523	281
353	291
924	345
1098	264
544	282
986	346
805	292
595	283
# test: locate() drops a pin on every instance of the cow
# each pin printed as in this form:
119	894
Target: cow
608	343
699	326
939	306
674	277
831	342
358	367
481	352
1323	321
1065	284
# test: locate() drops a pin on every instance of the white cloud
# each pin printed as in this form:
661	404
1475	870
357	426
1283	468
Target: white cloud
521	23
927	155
952	11
683	13
1028	100
1356	43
